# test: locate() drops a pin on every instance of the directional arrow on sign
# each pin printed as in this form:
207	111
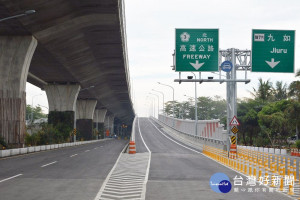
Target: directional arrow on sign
272	63
197	65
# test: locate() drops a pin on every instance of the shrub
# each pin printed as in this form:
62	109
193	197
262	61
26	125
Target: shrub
2	143
261	142
31	140
298	144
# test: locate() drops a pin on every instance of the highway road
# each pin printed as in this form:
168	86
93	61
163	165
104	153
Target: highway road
74	173
176	171
179	172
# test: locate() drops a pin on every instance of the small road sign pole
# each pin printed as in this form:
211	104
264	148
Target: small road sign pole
231	96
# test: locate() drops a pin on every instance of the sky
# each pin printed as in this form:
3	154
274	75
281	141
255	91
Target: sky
151	41
150	28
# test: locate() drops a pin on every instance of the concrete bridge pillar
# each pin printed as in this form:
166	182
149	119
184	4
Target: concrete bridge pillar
62	103
109	123
84	115
99	116
15	57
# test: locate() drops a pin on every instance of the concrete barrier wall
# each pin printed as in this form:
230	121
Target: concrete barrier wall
283	151
4	153
13	152
206	129
193	141
277	151
37	148
30	149
23	150
266	150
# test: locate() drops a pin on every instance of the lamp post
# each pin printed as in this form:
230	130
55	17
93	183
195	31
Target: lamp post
44	107
196	108
27	12
173	101
190	97
153	104
157	103
163	99
32	107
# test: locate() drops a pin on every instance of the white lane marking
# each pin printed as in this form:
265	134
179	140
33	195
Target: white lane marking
211	158
174	140
96	148
10	178
142	137
86	150
49	164
108	176
148	168
73	155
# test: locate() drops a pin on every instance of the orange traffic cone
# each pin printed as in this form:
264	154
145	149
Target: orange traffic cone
292	152
132	149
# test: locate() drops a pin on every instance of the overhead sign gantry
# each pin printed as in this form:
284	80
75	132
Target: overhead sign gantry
273	51
197	50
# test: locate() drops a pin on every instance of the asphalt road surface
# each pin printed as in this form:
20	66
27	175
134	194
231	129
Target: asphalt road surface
74	173
178	172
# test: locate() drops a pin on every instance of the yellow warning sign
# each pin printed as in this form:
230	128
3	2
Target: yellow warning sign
74	131
234	130
233	139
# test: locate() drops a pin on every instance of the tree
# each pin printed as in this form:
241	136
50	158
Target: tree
169	108
294	88
264	91
292	112
35	112
248	110
280	91
273	121
219	108
204	108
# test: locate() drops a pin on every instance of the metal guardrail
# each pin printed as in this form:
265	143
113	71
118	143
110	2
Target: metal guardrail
207	130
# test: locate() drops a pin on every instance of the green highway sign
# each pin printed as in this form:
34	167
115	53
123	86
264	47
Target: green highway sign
273	51
197	50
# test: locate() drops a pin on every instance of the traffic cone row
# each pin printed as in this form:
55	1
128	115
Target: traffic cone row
295	152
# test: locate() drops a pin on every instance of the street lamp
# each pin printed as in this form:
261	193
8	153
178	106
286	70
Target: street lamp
157	103
27	12
32	106
44	107
173	101
196	109
163	99
153	104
